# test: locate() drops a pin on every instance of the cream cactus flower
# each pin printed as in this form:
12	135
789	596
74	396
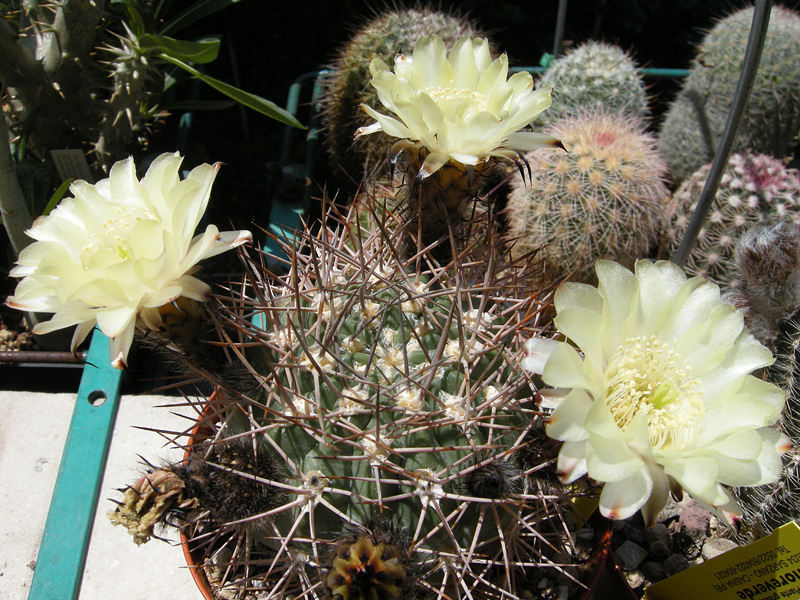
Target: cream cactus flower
118	250
459	106
662	394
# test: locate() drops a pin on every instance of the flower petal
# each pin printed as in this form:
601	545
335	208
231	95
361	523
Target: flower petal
571	463
374	128
618	287
621	499
755	403
114	322
431	67
658	282
659	495
528	108
608	460
567	421
525	141
433	162
537	351
462	62
495	75
82	330
565	369
698	476
194	289
390	125
120	345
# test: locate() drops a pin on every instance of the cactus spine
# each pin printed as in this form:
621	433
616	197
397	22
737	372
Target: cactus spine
595	75
754	189
694	122
604	198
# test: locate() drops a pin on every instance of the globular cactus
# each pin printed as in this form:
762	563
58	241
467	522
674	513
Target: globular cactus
390	394
595	75
694	122
347	86
768	292
755	188
603	198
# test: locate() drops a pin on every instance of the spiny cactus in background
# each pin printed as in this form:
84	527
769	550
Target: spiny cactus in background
604	198
132	105
390	395
755	188
44	62
58	93
595	75
768	292
90	75
348	84
694	122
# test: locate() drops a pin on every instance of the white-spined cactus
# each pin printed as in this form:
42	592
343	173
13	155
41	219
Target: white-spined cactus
386	400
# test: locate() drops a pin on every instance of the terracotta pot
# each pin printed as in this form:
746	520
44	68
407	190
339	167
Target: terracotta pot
202	431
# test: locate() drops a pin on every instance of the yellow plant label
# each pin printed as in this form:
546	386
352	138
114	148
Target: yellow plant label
767	569
584	506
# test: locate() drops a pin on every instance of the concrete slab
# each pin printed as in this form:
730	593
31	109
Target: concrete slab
32	434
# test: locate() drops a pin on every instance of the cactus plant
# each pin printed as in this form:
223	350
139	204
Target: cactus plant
604	198
91	75
768	292
595	75
694	123
455	115
347	85
389	393
755	188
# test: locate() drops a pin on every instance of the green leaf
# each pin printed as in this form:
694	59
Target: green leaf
257	103
201	52
136	23
57	196
200	9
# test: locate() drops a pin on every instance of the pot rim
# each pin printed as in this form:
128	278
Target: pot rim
192	561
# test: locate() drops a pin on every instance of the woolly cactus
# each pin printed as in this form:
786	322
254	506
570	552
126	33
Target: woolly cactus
397	431
694	122
595	75
754	188
768	292
348	84
604	198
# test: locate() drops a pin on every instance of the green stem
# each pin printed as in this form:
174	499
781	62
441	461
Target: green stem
13	208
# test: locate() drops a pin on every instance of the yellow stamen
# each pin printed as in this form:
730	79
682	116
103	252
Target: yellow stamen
647	377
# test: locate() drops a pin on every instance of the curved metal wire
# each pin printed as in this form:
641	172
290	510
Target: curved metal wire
752	56
561	19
